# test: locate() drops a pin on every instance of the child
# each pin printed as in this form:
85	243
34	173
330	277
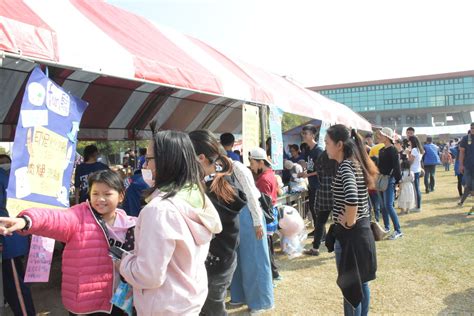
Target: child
87	229
406	199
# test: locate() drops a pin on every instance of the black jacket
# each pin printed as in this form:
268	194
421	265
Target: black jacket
358	262
389	163
222	250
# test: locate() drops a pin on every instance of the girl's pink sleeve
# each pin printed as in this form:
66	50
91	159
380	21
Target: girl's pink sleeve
52	223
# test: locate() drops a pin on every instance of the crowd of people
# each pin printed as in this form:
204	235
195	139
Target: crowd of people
191	222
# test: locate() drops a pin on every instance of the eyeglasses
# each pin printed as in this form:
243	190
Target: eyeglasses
147	159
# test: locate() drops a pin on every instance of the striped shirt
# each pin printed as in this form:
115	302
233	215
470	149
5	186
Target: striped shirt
349	188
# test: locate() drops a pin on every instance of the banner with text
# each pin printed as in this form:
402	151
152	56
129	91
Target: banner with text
250	130
43	154
276	134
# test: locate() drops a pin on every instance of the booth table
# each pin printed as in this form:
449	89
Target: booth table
297	200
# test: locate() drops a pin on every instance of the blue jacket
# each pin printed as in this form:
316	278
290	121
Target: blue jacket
133	197
15	245
431	156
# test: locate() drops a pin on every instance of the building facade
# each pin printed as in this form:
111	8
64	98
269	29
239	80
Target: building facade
433	100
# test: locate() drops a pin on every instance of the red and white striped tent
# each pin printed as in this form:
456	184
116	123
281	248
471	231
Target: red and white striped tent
132	71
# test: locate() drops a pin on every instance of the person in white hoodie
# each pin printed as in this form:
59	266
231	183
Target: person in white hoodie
173	232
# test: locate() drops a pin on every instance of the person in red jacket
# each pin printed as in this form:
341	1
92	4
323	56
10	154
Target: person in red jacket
87	229
266	183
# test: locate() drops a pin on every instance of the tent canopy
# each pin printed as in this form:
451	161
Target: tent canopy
132	71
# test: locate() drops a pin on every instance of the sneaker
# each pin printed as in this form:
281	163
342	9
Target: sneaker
259	311
278	278
460	203
416	210
396	235
471	212
232	303
311	252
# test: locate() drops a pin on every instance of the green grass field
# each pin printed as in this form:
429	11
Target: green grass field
428	271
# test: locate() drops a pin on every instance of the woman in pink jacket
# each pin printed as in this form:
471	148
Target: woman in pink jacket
173	232
89	278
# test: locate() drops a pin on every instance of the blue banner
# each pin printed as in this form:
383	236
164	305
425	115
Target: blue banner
44	147
276	116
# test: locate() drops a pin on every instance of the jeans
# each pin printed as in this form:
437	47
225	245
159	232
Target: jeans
218	284
430	178
375	204
416	186
388	210
363	308
320	229
446	166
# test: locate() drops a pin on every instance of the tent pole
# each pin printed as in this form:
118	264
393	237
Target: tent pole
263	126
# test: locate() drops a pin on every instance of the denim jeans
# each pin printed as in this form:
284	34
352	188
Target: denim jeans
416	186
363	308
430	178
218	284
388	210
375	204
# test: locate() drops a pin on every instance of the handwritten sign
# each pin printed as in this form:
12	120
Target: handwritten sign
42	159
276	116
250	129
45	140
39	259
48	152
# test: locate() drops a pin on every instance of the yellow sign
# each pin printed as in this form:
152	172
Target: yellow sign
250	129
15	206
46	166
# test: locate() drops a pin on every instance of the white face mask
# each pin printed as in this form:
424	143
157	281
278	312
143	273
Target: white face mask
5	166
148	177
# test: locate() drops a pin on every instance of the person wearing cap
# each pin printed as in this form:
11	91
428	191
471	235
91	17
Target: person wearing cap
389	164
430	161
266	183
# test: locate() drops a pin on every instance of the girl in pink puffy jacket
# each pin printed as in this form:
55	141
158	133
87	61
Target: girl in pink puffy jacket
88	230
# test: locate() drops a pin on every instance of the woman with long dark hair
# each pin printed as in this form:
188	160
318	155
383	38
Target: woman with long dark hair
173	232
220	188
389	165
354	246
414	158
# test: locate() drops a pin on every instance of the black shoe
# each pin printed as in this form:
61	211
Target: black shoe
311	234
427	192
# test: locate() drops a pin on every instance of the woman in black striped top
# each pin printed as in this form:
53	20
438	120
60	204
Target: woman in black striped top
355	246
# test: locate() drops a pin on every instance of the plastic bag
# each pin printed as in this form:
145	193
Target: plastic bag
123	298
292	232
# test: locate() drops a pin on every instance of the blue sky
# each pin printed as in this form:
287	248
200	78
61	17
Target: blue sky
327	42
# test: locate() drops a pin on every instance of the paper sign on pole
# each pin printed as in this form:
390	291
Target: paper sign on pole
276	134
322	134
250	130
39	259
42	159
